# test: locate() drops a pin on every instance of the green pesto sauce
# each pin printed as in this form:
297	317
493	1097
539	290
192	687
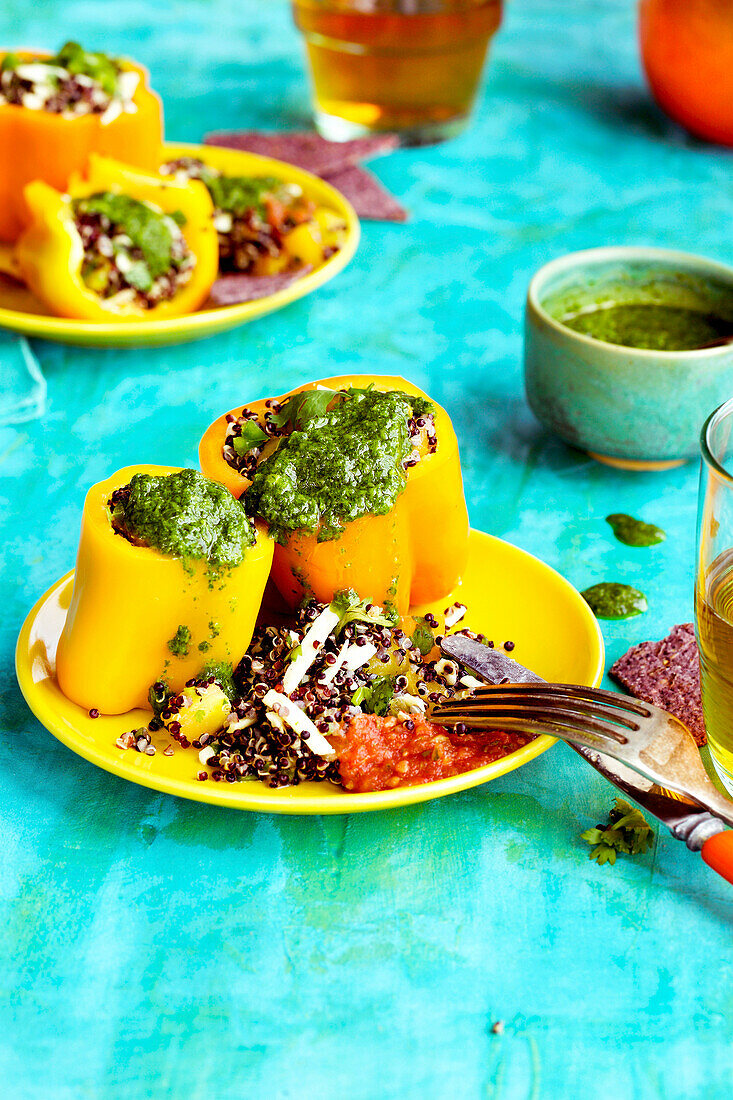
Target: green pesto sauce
223	673
186	516
151	231
339	464
614	601
180	643
654	327
634	532
238	194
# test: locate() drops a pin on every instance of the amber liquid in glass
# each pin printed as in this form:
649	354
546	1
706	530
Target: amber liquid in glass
406	65
714	617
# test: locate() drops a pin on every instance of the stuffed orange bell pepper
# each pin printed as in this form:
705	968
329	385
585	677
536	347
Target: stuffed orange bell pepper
359	481
121	245
57	110
169	579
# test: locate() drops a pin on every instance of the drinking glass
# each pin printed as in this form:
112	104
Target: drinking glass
410	66
714	587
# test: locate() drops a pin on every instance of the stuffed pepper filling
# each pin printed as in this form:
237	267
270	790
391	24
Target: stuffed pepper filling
323	457
183	515
133	251
253	215
74	82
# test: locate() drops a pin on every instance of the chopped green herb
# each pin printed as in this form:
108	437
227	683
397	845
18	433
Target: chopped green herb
250	436
634	532
204	647
376	697
625	831
351	609
423	637
99	67
180	643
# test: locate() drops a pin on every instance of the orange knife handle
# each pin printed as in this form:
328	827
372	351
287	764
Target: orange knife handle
718	853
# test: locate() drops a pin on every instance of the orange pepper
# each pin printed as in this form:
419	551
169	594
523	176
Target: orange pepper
687	52
50	254
412	555
128	602
39	145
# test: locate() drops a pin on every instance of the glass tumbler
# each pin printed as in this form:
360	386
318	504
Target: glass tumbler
714	587
410	66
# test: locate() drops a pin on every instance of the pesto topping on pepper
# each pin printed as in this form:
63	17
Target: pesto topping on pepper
614	601
252	214
184	515
634	532
180	643
345	457
131	245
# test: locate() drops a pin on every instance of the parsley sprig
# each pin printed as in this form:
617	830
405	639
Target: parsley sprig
626	831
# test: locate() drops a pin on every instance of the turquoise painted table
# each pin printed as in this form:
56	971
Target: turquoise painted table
153	947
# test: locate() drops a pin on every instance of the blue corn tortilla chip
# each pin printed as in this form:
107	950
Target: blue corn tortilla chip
370	199
667	674
305	148
232	290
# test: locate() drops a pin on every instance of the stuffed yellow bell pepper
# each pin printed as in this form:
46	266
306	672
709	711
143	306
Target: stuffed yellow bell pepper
359	481
121	245
169	579
57	110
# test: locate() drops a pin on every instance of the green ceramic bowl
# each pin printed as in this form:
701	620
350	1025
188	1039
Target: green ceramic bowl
629	407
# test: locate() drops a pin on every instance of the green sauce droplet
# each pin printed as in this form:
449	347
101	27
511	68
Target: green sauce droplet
634	532
614	601
180	643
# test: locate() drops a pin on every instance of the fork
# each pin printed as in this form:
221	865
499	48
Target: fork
646	738
601	724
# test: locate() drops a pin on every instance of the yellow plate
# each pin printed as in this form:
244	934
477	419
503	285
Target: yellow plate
509	595
21	312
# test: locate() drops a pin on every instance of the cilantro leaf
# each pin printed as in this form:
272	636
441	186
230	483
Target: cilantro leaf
302	407
347	605
374	698
423	637
626	831
250	436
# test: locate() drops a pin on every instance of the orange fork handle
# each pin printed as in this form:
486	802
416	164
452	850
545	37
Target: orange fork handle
718	853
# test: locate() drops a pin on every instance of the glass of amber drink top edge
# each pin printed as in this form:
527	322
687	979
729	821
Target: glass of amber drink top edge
714	587
411	67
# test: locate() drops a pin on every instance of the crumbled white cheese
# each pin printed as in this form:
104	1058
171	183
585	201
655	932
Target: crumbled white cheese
454	614
313	639
290	713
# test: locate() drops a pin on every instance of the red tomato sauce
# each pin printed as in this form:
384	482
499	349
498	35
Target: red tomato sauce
379	754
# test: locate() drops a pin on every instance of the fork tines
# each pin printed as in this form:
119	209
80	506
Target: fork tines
564	705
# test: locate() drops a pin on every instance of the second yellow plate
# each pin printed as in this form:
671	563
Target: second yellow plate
509	595
21	312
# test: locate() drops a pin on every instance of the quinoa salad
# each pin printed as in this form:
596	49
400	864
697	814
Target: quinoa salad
133	251
74	82
252	214
343	694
